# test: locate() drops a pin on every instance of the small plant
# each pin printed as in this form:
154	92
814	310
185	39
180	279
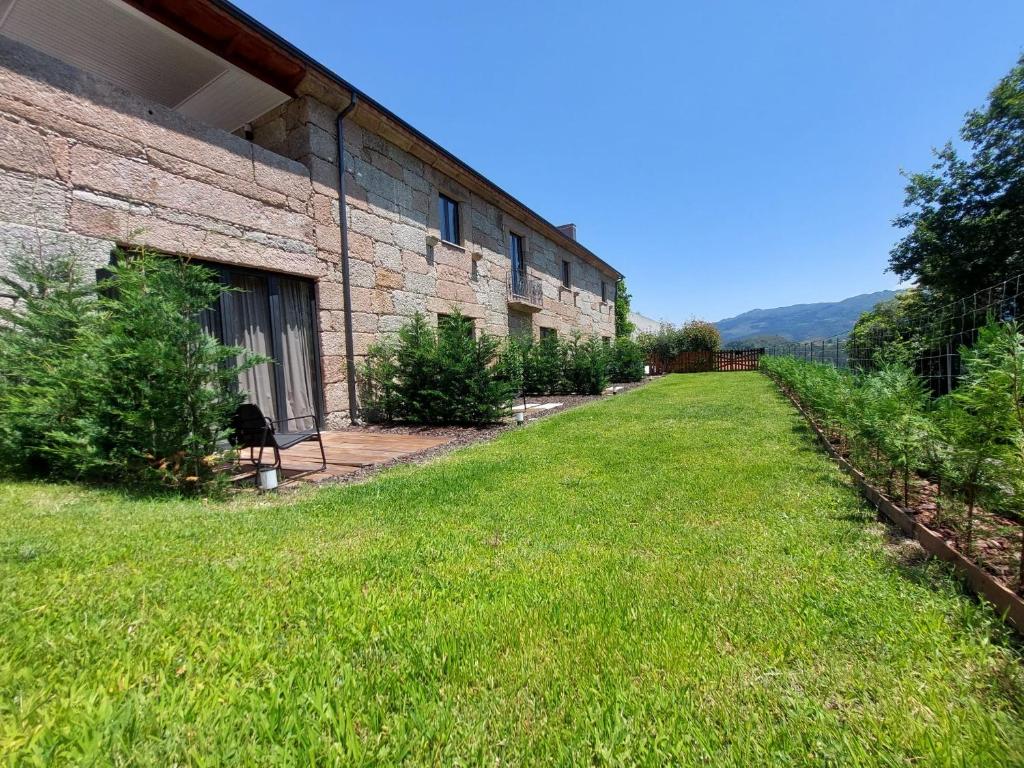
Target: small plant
586	366
898	403
992	394
625	360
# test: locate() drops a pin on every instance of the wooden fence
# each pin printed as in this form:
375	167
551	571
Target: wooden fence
696	362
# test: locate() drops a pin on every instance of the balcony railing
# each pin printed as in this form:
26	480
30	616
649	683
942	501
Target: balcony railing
524	292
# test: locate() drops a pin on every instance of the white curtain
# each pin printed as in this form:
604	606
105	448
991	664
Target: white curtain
247	324
297	351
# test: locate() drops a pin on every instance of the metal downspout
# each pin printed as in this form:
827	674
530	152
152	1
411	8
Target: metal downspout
346	288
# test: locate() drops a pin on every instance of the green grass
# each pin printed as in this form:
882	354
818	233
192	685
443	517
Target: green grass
672	576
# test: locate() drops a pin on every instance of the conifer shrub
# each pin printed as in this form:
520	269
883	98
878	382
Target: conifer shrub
439	376
116	382
626	360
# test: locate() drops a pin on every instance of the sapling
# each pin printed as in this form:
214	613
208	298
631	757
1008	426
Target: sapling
996	373
975	417
902	424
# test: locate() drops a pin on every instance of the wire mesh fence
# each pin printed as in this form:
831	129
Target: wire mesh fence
956	480
933	337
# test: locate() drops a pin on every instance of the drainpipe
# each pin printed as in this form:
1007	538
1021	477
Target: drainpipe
346	288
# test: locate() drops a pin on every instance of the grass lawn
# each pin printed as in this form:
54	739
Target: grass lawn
673	576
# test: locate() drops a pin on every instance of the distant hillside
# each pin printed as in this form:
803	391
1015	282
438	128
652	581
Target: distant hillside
801	322
756	341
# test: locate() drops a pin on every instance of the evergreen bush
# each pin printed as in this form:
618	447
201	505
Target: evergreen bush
442	376
586	366
117	382
626	360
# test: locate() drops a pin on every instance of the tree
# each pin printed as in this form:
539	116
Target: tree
897	321
966	215
45	373
623	326
120	385
699	336
975	417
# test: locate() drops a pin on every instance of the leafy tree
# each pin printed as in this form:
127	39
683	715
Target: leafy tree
758	341
623	326
892	324
965	217
699	336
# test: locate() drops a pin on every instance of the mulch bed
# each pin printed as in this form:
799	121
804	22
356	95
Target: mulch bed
463	436
985	568
996	540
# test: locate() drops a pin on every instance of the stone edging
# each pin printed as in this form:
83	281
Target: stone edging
1008	604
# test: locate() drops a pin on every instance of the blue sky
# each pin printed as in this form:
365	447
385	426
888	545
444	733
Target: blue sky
723	155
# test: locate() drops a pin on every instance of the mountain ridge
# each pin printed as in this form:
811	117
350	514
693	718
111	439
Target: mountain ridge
802	322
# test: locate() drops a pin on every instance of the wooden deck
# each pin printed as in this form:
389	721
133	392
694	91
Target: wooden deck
350	451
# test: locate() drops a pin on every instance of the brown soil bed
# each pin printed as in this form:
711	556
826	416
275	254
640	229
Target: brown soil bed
996	539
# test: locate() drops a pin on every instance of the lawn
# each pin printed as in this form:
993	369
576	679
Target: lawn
672	576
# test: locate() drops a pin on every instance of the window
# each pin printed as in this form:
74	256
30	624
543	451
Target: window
548	333
566	274
275	316
449	210
604	291
607	340
515	255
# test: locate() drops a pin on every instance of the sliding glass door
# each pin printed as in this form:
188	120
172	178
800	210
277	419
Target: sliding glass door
273	316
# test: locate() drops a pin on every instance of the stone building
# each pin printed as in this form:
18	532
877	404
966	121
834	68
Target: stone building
187	127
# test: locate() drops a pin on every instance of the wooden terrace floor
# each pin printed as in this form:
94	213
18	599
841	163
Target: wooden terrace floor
349	451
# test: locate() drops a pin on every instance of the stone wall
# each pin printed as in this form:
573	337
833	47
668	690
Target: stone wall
393	220
85	166
398	268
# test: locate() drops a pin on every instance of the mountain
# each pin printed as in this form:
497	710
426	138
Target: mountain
801	322
757	340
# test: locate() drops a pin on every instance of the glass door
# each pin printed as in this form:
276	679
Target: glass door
518	263
274	316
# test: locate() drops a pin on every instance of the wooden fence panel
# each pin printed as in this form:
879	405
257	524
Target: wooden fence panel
705	361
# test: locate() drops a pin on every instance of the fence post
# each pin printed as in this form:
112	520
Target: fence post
949	368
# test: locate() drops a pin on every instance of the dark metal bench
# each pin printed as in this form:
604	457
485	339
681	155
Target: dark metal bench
251	429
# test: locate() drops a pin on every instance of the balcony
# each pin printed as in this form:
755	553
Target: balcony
524	293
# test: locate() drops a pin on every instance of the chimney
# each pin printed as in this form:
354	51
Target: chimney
569	230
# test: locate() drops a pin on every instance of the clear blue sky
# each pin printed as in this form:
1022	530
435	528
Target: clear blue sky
723	155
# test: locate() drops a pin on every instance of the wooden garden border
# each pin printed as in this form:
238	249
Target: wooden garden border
1008	604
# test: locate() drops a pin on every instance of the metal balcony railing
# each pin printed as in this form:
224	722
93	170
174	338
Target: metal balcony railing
524	290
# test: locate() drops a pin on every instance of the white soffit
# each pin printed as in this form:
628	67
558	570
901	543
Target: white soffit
124	46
